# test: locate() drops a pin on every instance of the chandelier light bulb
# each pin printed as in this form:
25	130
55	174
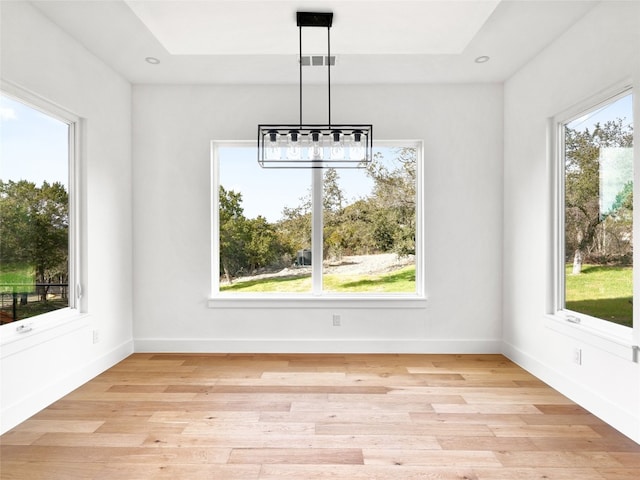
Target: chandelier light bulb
356	147
294	150
315	150
337	147
272	150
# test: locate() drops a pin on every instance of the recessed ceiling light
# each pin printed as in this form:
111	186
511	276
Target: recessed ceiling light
152	60
482	59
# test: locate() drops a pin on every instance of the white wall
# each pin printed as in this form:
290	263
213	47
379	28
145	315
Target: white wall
461	126
600	51
46	364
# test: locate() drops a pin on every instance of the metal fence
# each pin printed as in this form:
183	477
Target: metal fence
20	301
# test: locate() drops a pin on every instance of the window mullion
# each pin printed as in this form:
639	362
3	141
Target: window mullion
316	231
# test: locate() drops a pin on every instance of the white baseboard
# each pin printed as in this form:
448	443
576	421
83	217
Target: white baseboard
14	414
624	421
192	345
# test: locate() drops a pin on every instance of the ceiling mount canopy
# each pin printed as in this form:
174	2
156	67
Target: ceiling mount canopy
315	145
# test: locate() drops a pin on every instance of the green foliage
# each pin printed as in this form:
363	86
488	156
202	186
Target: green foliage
263	246
623	205
294	230
383	222
34	228
245	244
394	203
332	196
233	232
355	228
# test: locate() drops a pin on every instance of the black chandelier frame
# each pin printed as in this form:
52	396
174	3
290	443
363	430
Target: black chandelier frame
315	145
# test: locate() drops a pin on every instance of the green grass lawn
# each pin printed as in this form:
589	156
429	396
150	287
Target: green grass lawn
601	291
398	281
16	276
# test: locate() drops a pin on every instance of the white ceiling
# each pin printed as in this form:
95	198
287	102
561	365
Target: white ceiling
404	27
256	42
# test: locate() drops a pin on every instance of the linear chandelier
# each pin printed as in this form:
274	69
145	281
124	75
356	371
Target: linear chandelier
315	145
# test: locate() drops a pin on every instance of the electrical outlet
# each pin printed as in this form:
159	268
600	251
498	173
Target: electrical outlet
336	320
577	356
96	336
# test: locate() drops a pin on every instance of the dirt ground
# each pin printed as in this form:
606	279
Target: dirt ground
347	265
363	264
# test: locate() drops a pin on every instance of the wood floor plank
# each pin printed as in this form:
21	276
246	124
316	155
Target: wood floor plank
618	473
467	418
336	416
433	458
92	439
20	437
176	471
355	405
627	459
134	396
297	456
382	428
486	409
570	409
138	424
486	444
132	455
252	389
589	444
564	431
233	428
562	420
186	417
557	459
389	442
295	416
77	426
541	473
366	472
141	389
50	470
399	397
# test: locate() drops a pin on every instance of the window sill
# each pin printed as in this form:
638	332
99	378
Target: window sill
326	301
40	329
616	341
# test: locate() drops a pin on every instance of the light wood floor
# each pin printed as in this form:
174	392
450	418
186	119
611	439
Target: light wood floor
307	417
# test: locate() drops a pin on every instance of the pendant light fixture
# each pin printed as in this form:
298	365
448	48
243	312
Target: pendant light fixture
315	145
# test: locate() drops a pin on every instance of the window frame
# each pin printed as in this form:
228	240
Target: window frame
615	338
316	298
62	319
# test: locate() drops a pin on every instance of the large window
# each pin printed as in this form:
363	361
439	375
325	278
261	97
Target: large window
595	267
316	232
36	210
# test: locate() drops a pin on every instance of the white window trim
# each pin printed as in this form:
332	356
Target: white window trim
613	338
25	333
316	299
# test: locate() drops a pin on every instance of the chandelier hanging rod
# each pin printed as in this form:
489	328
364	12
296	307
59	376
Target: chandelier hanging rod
315	19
